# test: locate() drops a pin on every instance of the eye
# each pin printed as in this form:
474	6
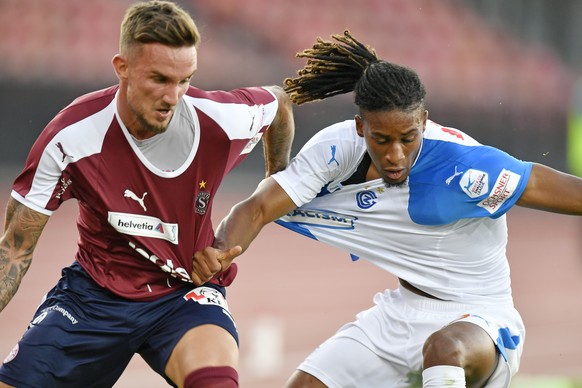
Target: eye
409	139
379	139
159	79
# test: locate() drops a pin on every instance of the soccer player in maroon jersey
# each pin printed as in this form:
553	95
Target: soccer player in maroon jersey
144	160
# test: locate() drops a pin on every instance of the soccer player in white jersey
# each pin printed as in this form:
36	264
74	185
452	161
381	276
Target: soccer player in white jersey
144	160
422	201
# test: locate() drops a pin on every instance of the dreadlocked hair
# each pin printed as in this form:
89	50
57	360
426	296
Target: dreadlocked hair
349	66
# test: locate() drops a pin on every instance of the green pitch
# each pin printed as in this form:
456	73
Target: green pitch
545	382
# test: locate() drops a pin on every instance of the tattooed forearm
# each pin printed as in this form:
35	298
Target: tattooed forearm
11	207
11	274
27	228
23	228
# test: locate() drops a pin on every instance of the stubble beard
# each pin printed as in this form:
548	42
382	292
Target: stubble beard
145	124
155	129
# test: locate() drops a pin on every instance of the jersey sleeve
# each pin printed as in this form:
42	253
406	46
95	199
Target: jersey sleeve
41	185
326	160
242	113
264	106
465	182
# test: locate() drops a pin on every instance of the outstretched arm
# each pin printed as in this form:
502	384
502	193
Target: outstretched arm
240	227
247	218
22	229
553	191
279	138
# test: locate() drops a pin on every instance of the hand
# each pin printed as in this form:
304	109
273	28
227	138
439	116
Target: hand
210	261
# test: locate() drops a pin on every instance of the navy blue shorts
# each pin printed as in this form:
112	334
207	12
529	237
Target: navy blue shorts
84	336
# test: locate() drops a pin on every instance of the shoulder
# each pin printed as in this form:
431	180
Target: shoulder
247	96
343	132
441	133
90	103
337	147
91	111
83	107
445	146
327	159
242	113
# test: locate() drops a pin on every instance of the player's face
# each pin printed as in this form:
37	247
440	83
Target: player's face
393	139
153	77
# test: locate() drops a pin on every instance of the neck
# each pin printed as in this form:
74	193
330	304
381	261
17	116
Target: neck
129	119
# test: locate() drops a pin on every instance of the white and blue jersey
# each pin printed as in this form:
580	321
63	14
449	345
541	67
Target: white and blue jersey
444	231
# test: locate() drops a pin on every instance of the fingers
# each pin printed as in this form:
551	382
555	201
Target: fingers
228	255
210	261
205	265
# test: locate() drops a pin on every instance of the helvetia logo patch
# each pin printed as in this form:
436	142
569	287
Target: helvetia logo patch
137	225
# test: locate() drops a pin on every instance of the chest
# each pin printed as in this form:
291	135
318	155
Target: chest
120	179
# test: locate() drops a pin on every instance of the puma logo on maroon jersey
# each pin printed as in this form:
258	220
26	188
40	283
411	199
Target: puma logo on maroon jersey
65	155
130	194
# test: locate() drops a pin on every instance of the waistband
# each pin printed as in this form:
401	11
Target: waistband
433	304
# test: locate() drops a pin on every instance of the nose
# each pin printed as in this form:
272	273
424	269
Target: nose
395	153
172	94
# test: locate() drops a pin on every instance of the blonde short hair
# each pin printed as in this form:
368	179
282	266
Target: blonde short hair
157	22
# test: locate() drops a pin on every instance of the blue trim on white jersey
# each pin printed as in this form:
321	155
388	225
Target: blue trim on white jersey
452	181
296	228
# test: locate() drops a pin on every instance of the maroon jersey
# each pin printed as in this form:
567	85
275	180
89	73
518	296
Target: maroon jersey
138	225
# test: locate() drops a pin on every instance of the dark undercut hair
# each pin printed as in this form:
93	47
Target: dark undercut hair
349	66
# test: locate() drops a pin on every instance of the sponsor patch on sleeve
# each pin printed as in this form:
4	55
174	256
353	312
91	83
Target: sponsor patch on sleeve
502	190
474	183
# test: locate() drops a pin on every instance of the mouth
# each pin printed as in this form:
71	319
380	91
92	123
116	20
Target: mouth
395	175
164	114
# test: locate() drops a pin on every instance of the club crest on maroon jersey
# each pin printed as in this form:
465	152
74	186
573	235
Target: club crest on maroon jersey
202	199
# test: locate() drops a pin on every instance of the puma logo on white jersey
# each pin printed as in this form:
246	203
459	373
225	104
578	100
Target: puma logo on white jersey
130	194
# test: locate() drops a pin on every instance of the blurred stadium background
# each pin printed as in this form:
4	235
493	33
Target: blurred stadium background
506	72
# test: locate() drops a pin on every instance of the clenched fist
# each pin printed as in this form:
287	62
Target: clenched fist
210	261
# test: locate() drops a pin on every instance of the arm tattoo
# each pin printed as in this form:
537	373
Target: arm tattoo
279	138
23	228
277	148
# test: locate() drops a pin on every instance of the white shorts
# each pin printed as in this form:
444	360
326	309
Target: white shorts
383	347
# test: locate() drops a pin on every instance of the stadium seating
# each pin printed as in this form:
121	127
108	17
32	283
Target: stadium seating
459	56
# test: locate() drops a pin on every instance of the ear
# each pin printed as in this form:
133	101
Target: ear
120	66
425	117
359	125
